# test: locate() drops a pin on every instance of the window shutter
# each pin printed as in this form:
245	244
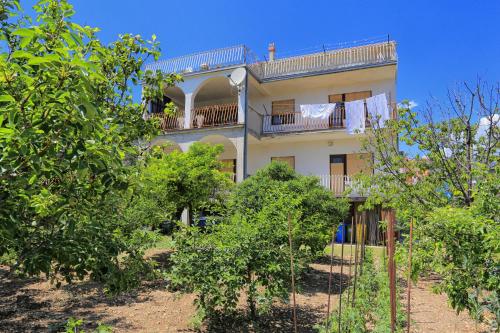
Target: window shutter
283	106
290	160
335	98
349	97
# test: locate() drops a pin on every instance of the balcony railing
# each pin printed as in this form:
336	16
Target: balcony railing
295	122
366	55
206	60
215	115
169	122
338	184
339	57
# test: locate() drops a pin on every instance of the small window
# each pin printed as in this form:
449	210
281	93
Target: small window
290	160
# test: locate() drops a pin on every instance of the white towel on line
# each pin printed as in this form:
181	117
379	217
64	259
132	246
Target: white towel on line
317	111
355	116
378	109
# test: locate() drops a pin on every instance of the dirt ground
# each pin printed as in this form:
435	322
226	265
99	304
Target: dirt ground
430	313
35	306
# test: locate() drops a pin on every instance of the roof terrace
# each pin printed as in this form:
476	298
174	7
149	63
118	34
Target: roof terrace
338	58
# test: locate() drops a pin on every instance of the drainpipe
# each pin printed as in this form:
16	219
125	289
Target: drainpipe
245	137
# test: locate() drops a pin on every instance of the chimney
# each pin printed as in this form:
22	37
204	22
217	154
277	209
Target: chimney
272	50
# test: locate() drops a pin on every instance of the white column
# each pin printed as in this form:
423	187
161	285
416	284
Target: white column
188	106
241	103
240	155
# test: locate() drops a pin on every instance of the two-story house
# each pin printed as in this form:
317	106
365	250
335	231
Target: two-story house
261	118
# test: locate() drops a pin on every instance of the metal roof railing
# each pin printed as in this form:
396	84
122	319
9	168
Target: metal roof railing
343	58
202	61
339	59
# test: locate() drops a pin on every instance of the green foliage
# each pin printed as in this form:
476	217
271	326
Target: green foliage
449	187
249	251
319	211
370	311
67	131
471	244
178	180
74	326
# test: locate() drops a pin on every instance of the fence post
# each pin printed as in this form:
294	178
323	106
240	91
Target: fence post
330	279
408	306
392	269
292	272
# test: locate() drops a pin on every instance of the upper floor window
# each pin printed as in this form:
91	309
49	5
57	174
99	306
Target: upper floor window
283	112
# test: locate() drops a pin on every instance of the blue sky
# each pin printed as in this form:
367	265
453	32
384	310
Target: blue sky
440	43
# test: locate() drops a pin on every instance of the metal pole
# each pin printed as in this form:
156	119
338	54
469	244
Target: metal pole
392	275
330	279
362	245
245	132
408	307
350	261
341	273
355	265
292	272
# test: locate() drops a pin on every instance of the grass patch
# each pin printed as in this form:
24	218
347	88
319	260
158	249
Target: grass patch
378	251
164	243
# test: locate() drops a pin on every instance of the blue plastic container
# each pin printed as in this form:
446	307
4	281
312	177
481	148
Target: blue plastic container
340	235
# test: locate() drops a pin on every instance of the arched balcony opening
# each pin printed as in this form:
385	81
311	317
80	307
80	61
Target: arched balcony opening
215	104
174	119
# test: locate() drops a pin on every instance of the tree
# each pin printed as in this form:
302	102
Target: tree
249	251
179	180
450	187
67	131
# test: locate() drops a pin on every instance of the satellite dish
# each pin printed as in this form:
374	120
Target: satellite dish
237	76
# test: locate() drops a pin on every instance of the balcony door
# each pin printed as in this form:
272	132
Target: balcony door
338	170
338	117
283	112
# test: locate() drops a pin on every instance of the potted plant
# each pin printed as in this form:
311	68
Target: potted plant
199	120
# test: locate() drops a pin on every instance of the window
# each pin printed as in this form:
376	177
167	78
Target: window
359	163
283	112
338	117
290	160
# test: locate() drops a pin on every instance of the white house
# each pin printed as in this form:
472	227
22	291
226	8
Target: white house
259	119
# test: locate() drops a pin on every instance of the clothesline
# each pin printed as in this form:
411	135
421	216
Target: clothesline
354	112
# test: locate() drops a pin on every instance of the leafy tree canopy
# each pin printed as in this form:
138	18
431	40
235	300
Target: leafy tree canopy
450	187
68	125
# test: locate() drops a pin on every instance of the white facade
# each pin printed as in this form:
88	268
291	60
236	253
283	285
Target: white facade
224	109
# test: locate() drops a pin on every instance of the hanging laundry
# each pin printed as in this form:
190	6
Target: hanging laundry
378	110
317	111
355	116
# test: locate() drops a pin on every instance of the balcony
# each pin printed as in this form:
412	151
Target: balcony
202	117
215	115
295	122
338	184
